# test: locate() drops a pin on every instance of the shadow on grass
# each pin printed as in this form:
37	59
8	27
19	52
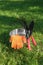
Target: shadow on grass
6	25
10	23
40	60
21	5
38	27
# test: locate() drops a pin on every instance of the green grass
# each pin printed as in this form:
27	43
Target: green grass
9	12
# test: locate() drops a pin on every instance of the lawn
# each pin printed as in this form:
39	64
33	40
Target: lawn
10	10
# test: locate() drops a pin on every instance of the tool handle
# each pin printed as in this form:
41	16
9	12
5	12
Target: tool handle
33	40
28	41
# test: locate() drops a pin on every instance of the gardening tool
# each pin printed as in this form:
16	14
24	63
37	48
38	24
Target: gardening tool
22	35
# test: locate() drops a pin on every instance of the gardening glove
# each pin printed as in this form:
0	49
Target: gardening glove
17	41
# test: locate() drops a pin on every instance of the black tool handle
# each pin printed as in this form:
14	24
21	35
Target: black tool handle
28	28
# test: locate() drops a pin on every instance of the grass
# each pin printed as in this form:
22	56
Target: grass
9	12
